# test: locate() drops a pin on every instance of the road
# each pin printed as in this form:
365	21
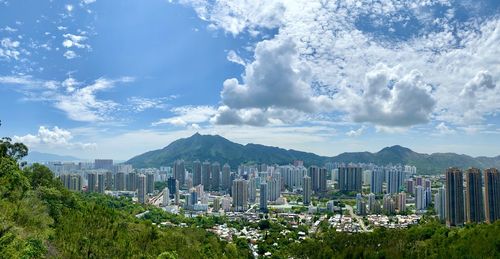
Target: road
354	216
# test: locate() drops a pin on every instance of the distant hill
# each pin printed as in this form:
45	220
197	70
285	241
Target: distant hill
38	157
217	148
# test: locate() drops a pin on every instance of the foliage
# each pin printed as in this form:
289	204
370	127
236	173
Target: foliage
39	218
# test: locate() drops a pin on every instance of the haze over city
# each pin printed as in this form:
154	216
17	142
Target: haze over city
106	79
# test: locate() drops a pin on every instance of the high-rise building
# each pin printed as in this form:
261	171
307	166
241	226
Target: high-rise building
454	197
420	199
132	182
106	164
72	182
92	182
215	176
274	189
141	189
410	186
474	209
120	181
263	197
150	179
376	181
307	190
205	175
492	194
252	190
314	174
240	195
372	203
172	186
322	180
394	181
101	183
439	203
360	205
402	202
389	206
196	172
226	177
110	180
166	197
350	178
180	172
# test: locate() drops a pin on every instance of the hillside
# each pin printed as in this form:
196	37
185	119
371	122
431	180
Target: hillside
217	148
38	157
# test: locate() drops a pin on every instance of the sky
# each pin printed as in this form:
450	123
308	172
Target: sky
116	78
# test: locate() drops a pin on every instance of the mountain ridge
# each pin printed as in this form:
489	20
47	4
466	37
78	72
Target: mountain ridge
218	148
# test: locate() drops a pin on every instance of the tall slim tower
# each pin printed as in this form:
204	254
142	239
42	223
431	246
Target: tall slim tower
205	175
150	183
141	189
322	180
474	209
215	176
91	182
314	174
377	178
180	172
196	172
439	203
263	197
492	194
240	195
454	197
307	189
226	177
252	190
101	183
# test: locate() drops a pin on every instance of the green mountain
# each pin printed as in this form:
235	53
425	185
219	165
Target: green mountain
217	148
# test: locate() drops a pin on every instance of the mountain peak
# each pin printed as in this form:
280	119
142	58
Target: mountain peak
397	149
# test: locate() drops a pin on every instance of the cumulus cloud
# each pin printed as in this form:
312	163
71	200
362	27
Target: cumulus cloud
390	100
72	40
55	137
341	43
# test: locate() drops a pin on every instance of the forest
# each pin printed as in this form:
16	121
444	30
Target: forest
39	218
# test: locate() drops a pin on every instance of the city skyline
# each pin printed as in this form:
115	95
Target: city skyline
87	78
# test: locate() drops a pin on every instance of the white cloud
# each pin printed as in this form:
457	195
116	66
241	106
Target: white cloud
9	49
233	57
69	8
69	54
186	115
443	129
340	54
88	1
72	40
140	104
55	137
77	100
407	102
356	133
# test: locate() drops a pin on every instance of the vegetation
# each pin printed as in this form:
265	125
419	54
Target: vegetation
39	218
217	148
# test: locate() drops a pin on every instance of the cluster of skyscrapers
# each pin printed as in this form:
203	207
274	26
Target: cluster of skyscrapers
459	203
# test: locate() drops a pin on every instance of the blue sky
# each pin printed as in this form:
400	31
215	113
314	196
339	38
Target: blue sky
95	78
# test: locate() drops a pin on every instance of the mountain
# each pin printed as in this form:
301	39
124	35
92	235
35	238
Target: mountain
38	157
217	148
